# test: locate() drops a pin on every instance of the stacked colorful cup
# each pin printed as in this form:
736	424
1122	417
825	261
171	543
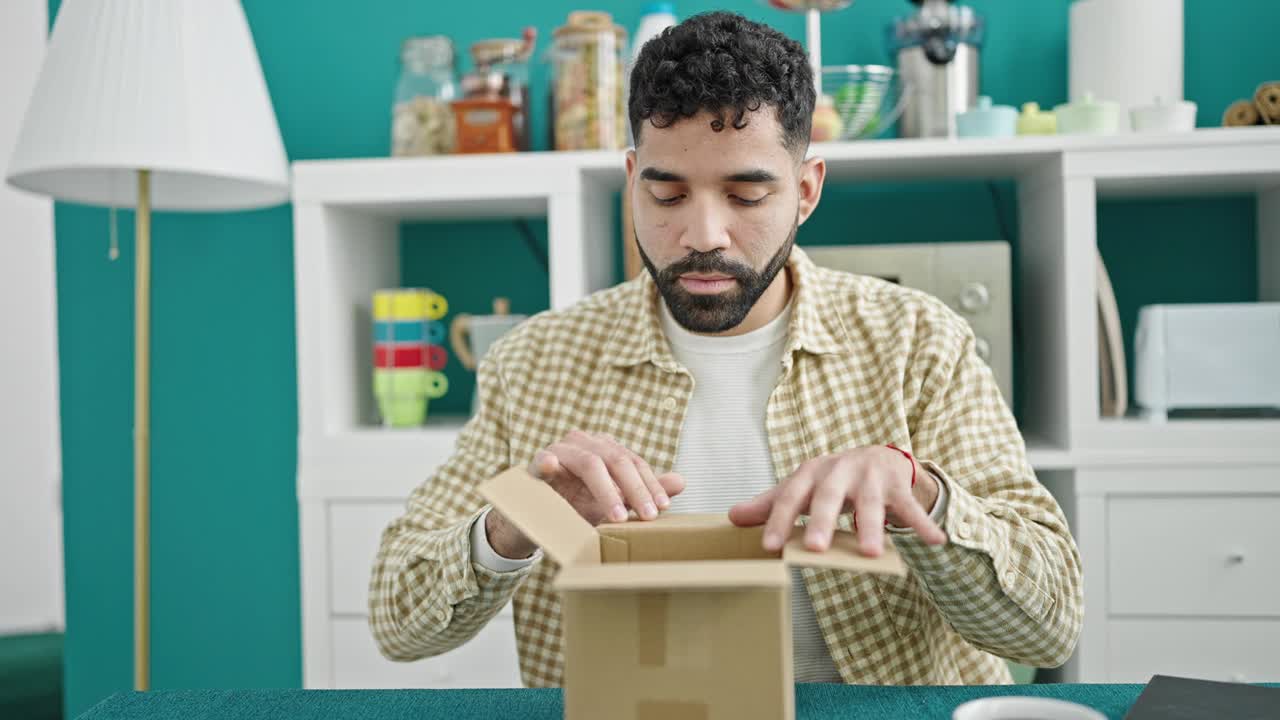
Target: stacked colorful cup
408	353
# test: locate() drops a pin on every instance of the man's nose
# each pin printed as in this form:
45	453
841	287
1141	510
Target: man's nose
707	231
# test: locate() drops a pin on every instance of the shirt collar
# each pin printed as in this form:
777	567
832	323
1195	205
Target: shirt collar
816	325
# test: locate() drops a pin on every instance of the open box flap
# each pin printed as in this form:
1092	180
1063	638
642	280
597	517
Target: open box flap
682	575
547	519
842	555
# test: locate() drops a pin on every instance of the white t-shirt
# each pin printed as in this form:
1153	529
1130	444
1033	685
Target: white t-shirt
724	448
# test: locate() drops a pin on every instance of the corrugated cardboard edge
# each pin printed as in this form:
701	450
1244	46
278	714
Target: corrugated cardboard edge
547	519
674	576
843	555
665	522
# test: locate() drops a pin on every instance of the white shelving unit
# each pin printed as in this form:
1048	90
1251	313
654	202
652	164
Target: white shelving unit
353	476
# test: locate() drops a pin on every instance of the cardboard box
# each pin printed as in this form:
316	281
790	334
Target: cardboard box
681	618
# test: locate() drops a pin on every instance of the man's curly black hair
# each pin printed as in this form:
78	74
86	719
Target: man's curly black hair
728	65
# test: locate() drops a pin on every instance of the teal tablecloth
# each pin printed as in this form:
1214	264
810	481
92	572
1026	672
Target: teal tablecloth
813	702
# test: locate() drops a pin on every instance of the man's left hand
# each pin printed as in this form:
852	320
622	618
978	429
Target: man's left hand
872	482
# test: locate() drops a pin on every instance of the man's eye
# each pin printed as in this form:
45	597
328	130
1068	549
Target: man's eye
748	203
668	200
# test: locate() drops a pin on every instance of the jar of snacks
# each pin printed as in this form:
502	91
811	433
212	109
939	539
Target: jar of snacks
588	106
421	119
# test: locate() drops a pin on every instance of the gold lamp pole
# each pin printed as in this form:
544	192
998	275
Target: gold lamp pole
142	437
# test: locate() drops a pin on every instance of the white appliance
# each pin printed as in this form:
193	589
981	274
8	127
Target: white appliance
1126	51
1207	357
972	278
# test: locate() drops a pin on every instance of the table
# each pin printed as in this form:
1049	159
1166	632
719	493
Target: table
813	702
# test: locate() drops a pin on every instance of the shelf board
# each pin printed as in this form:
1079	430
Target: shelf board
449	187
1137	441
1044	455
377	463
1210	160
440	433
374	462
934	159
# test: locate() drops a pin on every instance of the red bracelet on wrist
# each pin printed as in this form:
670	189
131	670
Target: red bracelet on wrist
909	458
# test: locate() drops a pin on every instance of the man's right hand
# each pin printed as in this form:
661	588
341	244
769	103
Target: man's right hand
599	477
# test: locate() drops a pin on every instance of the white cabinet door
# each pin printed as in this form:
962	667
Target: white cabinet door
1228	650
1197	555
488	661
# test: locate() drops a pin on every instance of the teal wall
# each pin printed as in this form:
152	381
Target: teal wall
225	562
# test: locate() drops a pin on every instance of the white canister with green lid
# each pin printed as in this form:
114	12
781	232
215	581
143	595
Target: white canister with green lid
1088	116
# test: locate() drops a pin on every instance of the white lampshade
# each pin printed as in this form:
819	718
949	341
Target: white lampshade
172	86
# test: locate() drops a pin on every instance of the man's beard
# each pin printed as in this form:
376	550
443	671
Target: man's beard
715	313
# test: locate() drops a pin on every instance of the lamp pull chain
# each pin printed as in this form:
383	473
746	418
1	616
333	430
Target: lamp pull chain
113	249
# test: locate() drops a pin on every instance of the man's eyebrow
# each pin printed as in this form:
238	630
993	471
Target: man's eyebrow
656	175
752	176
746	176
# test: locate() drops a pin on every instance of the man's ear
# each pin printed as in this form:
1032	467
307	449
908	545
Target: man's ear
631	169
813	172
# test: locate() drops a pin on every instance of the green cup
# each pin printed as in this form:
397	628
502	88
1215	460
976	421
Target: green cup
402	394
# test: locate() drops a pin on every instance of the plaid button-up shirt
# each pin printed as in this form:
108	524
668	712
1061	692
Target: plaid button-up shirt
866	363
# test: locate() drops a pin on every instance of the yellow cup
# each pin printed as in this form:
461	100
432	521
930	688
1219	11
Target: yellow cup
408	304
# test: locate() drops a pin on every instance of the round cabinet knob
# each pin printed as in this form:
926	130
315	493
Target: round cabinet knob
1235	558
974	298
984	348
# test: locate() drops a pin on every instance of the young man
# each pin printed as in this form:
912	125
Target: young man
736	376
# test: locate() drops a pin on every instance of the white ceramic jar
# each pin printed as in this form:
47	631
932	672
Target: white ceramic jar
1163	116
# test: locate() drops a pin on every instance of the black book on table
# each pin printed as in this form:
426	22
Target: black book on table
1174	698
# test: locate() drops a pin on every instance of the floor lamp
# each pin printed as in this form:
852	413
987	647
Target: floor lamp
150	105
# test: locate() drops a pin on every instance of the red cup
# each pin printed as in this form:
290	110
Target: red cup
387	355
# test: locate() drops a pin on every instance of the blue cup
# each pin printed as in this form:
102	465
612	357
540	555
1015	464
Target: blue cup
408	331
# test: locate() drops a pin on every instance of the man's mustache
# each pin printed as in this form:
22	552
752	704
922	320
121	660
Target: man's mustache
707	263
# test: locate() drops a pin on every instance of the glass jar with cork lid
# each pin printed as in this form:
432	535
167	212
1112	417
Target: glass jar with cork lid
588	97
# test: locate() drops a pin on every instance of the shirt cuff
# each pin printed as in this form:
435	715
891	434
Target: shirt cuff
939	511
483	554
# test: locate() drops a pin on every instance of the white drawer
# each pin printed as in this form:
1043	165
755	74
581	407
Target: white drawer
355	529
488	661
1194	555
1227	650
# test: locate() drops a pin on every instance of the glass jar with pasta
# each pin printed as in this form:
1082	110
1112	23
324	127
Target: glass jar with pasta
588	97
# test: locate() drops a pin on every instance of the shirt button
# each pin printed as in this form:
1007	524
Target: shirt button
670	403
1009	578
963	530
